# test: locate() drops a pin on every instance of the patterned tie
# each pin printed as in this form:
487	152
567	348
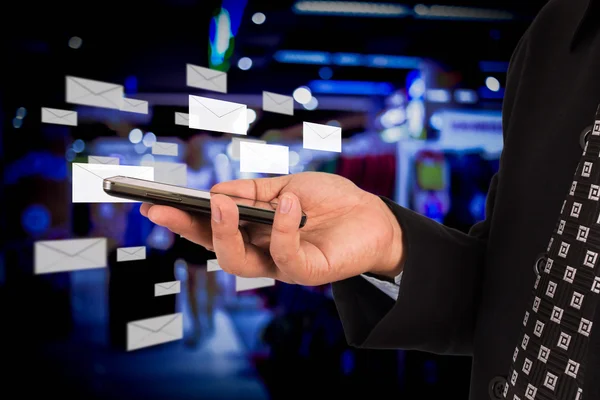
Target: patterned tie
548	362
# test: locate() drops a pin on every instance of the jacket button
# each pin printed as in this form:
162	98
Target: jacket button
584	136
496	388
540	263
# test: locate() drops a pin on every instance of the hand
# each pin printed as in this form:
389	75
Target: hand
348	231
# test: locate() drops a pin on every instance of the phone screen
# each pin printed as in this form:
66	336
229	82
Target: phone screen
203	194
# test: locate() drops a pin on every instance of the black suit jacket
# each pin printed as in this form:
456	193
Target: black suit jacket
466	294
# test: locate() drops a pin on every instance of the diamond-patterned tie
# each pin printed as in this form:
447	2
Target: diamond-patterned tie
548	362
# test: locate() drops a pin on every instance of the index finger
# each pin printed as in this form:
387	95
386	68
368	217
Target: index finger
261	189
192	227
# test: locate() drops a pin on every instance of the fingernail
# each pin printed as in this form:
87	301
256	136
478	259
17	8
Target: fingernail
216	213
286	205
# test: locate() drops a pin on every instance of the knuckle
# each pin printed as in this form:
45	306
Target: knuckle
219	235
283	227
280	257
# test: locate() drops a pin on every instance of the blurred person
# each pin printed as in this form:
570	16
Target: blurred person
401	280
201	175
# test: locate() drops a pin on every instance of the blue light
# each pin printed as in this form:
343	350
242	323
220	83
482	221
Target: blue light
35	219
477	206
107	210
325	73
348	362
387	61
70	155
17	122
41	163
131	85
78	145
302	57
21	112
493	66
486	93
352	87
348	59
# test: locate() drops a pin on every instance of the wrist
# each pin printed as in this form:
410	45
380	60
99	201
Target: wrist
392	260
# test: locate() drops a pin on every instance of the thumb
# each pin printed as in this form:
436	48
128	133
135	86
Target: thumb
285	247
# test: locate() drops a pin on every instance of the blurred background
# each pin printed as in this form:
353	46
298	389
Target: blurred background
417	90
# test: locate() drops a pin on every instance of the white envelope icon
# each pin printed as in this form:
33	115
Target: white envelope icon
131	253
235	146
87	181
153	331
167	288
206	78
218	115
69	255
58	116
264	158
168	172
104	160
182	119
278	103
213	265
165	149
135	106
242	284
322	137
94	93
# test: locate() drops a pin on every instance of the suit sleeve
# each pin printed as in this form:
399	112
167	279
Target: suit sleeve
437	299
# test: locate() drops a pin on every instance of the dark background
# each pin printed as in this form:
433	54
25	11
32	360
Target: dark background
63	334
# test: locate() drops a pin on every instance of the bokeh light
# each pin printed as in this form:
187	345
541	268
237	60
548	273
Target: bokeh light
244	63
75	42
312	104
325	73
140	148
302	95
259	18
21	112
78	146
149	139
17	122
492	83
36	219
70	154
135	136
251	117
294	158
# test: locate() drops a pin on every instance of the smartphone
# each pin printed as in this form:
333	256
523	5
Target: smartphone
191	200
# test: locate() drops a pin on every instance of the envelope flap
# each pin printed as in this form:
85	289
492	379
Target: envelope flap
279	99
316	128
134	102
155	325
206	73
132	250
183	115
101	159
168	285
89	170
95	87
71	248
59	113
217	107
